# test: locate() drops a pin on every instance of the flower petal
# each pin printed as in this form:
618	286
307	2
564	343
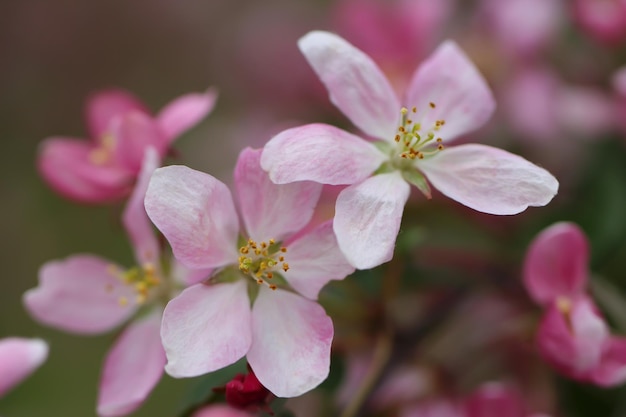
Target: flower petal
367	219
136	221
556	263
489	179
196	214
572	340
80	294
461	95
314	260
19	358
270	210
205	328
66	165
103	107
612	368
320	153
135	132
185	112
355	83
132	368
291	339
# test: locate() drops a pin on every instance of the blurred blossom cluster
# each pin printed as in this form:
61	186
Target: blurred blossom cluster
409	208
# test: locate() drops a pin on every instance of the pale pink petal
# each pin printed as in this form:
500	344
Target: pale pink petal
556	263
489	179
80	294
132	367
103	107
367	219
205	328
291	339
187	276
135	132
355	83
185	112
66	165
619	81
19	358
271	211
612	368
196	214
136	221
433	408
320	153
314	260
221	410
461	96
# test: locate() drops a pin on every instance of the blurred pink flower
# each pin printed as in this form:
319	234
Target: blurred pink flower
523	27
220	410
19	358
86	294
397	34
541	107
104	168
453	99
605	20
495	399
572	335
619	81
285	336
245	392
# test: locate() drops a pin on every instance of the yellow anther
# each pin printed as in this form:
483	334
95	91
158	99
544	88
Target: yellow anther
404	110
283	249
273	287
432	105
285	266
414	109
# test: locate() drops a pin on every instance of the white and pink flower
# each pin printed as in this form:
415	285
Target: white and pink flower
446	98
19	358
260	301
121	129
87	294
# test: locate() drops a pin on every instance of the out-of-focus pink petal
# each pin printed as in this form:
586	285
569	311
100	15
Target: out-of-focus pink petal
433	408
461	96
572	340
367	219
489	179
271	211
66	165
604	20
136	132
320	153
495	399
103	107
220	410
612	368
291	339
584	111
80	294
19	358
619	81
132	368
205	328
355	83
185	112
196	214
314	260
556	263
136	221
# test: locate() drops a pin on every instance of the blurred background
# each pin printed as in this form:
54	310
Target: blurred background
551	64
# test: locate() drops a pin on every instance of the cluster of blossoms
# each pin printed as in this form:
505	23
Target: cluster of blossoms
239	273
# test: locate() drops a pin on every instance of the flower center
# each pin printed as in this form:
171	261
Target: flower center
104	151
141	279
416	141
260	261
564	305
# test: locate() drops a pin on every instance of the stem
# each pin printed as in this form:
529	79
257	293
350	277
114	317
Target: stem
382	353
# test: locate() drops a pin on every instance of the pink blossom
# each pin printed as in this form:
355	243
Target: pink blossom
446	98
573	337
619	81
604	20
260	301
19	358
104	168
87	294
